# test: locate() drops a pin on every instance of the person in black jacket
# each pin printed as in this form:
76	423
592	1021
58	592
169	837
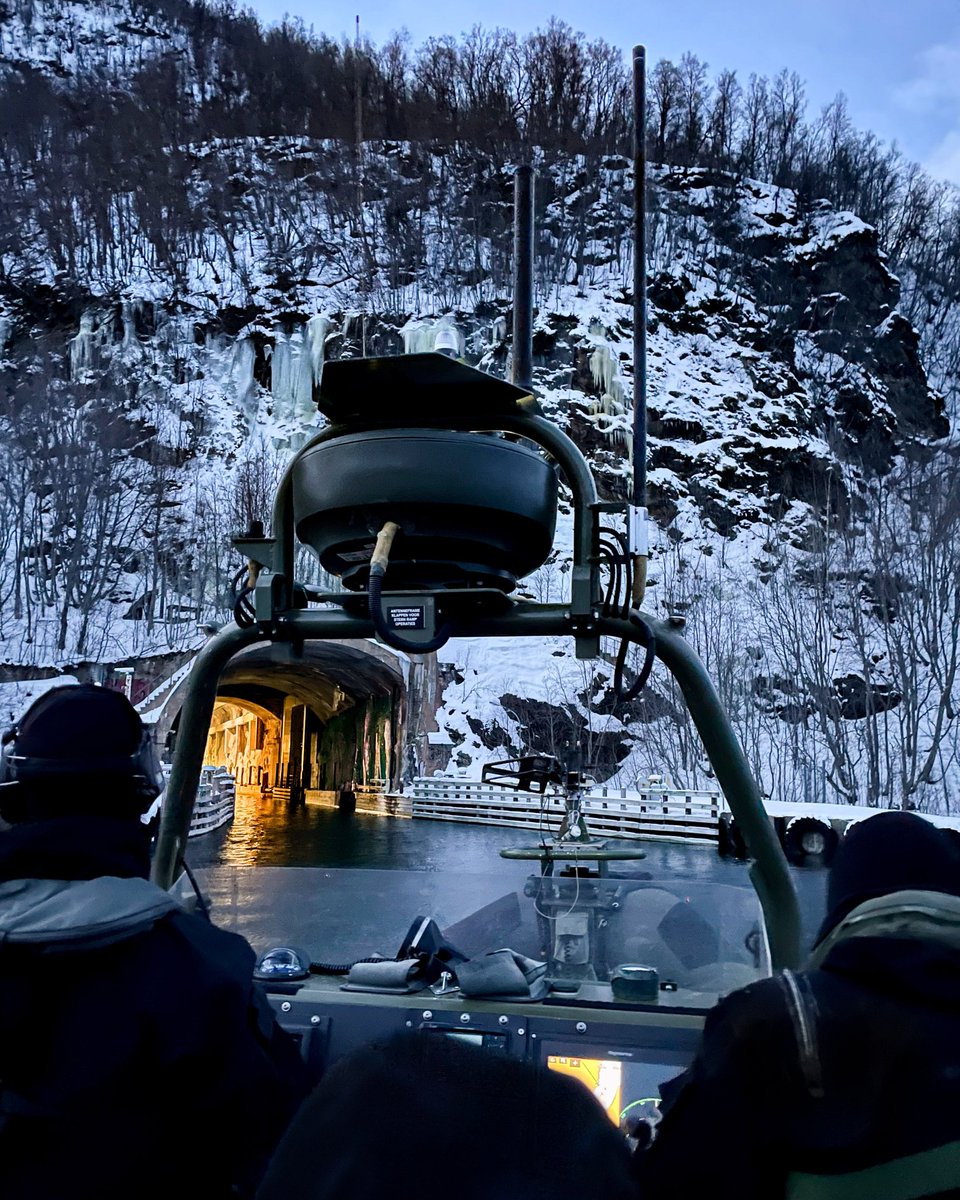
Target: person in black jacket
422	1114
137	1057
843	1079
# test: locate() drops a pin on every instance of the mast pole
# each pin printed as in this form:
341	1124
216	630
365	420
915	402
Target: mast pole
522	363
637	521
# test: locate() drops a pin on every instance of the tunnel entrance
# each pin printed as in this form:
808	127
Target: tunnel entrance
330	718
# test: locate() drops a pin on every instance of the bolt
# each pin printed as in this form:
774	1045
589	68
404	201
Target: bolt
314	1020
581	1027
464	1018
522	1031
503	1020
427	1014
409	1024
286	1006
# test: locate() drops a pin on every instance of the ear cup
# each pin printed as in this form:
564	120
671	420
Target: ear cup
146	766
7	740
75	733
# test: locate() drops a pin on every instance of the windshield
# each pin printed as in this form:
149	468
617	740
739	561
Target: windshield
701	939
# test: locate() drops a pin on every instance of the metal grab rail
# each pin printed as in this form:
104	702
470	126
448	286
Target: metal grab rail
580	618
769	872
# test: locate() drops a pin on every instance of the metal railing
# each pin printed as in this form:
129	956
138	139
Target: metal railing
680	814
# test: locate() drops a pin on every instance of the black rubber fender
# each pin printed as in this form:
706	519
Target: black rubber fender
730	842
810	842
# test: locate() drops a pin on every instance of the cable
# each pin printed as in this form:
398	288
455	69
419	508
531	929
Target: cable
201	902
614	565
244	613
627	562
576	863
378	568
322	968
649	642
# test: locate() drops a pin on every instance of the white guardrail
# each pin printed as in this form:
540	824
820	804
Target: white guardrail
667	813
216	801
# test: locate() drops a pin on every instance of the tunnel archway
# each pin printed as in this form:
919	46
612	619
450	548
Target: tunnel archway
329	717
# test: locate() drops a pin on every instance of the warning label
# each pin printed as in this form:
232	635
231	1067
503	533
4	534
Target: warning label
410	617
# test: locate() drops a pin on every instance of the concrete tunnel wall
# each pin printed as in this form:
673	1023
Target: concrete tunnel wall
339	714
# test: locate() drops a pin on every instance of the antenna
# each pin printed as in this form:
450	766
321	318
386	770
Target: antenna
637	523
358	135
522	366
358	105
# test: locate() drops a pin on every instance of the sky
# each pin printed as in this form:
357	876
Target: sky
897	61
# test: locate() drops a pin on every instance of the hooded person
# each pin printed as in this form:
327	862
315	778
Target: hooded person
423	1112
131	1032
841	1080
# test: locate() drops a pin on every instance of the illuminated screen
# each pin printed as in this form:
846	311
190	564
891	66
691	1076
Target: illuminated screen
602	1076
626	1090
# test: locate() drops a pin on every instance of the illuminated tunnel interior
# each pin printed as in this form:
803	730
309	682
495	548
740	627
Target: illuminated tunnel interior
330	718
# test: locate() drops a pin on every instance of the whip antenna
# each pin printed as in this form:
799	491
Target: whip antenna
637	513
522	363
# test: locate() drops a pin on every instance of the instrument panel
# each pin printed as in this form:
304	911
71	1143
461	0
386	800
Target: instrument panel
623	1056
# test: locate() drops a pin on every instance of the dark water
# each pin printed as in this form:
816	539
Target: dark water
265	833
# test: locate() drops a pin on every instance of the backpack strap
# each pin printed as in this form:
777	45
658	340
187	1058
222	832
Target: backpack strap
802	1007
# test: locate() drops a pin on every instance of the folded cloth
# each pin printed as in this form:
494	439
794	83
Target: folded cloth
385	976
503	973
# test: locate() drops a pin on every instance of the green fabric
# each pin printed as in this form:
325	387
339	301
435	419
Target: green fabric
926	1174
911	914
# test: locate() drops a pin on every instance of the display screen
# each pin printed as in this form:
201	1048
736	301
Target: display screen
486	1041
627	1090
472	1039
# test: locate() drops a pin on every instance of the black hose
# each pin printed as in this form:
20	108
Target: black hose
322	968
390	636
244	613
649	642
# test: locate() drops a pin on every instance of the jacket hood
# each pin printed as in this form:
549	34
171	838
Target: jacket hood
59	916
886	853
905	945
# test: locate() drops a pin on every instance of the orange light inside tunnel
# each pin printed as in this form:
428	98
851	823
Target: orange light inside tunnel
246	740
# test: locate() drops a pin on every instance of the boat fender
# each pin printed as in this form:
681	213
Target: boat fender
731	843
809	842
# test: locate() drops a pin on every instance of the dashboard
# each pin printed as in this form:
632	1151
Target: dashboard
622	1054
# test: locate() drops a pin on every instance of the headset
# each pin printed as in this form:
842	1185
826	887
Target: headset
141	769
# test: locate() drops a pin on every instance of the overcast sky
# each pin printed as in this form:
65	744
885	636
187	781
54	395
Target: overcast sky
898	61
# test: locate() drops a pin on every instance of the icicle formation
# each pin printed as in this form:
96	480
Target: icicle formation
421	336
242	381
610	409
295	366
83	347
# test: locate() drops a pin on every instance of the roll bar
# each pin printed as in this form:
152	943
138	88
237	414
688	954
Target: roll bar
277	620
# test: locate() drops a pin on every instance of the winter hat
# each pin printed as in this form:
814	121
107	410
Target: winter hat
889	852
83	735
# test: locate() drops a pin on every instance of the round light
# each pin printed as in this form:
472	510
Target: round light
282	962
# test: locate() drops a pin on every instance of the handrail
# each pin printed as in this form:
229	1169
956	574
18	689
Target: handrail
769	873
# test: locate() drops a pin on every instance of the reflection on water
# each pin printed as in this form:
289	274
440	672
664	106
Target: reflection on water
269	833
